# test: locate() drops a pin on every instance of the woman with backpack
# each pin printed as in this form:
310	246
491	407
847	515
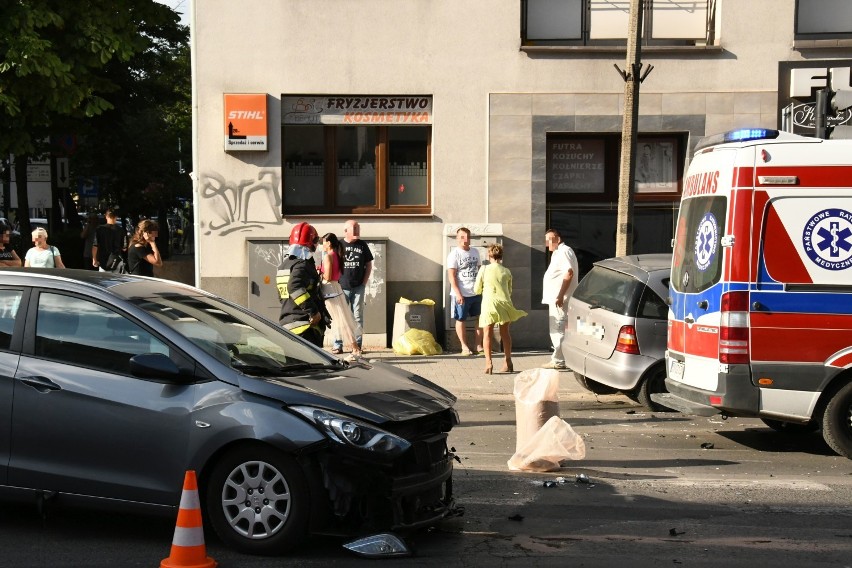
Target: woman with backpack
43	255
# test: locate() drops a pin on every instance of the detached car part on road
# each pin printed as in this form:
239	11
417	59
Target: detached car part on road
112	386
616	329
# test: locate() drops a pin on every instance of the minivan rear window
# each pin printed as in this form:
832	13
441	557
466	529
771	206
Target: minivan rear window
697	260
613	291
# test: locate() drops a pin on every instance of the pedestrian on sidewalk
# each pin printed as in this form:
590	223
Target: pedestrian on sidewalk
463	264
343	324
8	255
559	283
143	254
494	282
303	310
357	267
43	255
110	244
88	236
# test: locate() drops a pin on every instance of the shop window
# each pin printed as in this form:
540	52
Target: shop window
356	169
582	191
590	228
605	22
588	165
817	19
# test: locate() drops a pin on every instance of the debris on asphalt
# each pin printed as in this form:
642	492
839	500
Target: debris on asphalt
516	517
550	483
707	446
582	478
630	412
675	532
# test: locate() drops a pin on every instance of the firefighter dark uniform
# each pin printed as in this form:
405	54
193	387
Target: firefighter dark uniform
303	309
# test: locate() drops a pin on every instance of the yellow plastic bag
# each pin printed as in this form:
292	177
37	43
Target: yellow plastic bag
426	301
416	342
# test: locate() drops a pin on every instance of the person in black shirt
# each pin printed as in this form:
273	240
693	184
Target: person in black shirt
143	254
110	239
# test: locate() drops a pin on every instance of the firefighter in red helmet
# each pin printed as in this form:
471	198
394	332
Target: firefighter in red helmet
302	306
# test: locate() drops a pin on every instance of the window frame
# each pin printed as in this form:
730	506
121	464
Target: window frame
32	335
382	156
612	154
815	35
647	38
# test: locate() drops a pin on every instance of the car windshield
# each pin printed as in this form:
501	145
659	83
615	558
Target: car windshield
246	343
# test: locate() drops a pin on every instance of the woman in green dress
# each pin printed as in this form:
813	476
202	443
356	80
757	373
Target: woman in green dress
494	282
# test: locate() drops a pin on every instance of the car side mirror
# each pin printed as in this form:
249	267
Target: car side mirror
154	366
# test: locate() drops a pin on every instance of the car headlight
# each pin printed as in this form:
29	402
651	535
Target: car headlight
354	433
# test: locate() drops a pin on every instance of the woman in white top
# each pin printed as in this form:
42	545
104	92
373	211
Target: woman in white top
43	255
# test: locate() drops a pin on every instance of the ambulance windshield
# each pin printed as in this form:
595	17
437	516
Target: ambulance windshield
697	261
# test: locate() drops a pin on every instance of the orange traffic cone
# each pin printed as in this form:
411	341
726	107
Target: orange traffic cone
188	550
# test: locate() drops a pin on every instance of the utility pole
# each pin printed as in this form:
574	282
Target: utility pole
632	76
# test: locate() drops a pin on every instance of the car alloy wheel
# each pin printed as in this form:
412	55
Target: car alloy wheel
257	501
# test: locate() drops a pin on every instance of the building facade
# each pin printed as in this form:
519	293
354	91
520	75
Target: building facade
416	117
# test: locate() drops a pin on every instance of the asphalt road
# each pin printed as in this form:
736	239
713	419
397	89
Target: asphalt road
663	489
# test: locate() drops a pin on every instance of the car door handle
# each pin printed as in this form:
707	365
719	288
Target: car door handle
41	384
689	319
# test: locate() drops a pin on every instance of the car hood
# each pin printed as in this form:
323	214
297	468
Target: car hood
374	391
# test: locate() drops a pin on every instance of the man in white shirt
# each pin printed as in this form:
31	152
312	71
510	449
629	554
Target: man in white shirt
463	263
560	280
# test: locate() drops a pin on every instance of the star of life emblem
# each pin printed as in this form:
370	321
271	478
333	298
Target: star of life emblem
706	241
827	239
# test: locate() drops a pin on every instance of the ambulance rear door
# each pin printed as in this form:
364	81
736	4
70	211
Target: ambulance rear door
698	264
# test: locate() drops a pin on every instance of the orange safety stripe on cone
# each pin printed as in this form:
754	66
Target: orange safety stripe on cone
188	550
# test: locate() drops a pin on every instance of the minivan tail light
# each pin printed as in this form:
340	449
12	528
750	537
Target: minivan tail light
733	329
627	340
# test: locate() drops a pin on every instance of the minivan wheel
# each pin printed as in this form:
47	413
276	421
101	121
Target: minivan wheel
837	422
593	386
257	501
653	382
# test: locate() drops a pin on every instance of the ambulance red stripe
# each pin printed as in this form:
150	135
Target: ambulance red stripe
773	334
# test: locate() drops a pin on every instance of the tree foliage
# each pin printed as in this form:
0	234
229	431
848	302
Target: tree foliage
91	68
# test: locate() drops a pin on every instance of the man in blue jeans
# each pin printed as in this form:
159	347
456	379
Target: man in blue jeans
357	266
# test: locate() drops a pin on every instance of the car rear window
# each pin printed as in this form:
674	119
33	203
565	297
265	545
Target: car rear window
613	291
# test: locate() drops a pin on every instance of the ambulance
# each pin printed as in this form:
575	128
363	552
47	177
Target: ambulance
760	318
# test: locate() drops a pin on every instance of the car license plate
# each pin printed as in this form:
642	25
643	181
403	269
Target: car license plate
676	370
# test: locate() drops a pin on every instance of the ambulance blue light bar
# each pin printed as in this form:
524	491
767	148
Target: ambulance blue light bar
741	135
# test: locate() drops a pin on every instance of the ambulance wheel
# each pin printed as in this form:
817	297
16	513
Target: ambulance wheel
593	386
654	382
793	428
837	422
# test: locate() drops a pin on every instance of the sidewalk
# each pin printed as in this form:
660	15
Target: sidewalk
464	377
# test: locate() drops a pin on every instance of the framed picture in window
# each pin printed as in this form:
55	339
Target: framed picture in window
656	166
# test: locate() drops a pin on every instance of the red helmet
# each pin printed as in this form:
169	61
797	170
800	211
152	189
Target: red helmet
304	234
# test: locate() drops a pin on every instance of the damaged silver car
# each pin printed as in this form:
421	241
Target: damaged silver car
112	386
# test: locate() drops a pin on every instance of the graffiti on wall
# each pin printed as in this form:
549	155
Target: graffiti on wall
265	255
229	200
